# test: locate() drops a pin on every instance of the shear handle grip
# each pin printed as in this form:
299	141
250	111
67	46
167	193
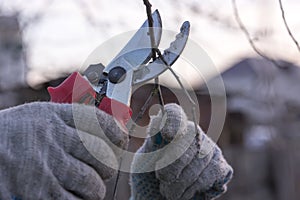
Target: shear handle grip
76	89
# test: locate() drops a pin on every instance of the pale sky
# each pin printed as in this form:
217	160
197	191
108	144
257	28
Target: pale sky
62	40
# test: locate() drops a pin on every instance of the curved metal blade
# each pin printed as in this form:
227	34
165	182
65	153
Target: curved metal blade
170	55
138	50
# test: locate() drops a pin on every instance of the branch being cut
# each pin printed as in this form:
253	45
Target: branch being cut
150	21
246	32
287	26
155	52
156	89
198	135
152	38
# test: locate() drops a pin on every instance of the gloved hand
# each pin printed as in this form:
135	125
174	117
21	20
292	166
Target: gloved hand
180	172
53	151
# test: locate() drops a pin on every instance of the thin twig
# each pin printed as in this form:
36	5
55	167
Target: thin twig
287	26
159	93
153	46
139	116
198	135
246	32
150	21
117	179
145	106
156	89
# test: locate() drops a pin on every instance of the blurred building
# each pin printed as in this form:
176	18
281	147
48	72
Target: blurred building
13	87
12	62
261	133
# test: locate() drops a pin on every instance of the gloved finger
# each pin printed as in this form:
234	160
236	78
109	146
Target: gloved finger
218	188
182	152
85	118
84	146
52	189
177	176
161	132
144	185
213	179
45	183
91	150
98	123
81	145
79	179
164	127
170	124
147	183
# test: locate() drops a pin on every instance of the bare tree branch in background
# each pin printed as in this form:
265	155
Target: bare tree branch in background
250	39
287	26
213	16
38	16
87	13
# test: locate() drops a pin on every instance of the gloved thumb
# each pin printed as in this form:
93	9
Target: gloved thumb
167	125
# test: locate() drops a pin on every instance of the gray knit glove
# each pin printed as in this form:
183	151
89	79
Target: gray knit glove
53	151
180	172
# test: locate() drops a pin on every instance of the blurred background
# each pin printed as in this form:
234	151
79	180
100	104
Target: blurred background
252	43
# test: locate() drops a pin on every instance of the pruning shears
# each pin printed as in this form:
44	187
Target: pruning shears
110	87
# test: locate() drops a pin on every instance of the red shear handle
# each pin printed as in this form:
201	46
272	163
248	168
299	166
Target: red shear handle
77	89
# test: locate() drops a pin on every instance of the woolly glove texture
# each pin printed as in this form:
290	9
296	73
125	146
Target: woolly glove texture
180	172
53	151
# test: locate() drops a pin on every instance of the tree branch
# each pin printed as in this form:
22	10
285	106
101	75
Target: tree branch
152	38
287	26
150	21
246	32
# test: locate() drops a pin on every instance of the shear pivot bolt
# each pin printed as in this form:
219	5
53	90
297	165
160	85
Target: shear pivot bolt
117	75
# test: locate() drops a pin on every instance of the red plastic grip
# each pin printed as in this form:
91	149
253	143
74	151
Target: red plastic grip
74	89
77	89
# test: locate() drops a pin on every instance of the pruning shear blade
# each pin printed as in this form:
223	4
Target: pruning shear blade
154	69
138	50
121	91
110	87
